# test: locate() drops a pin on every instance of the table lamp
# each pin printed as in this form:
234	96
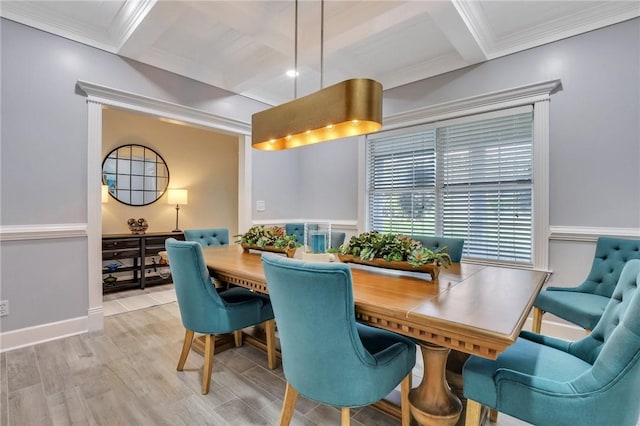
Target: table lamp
177	197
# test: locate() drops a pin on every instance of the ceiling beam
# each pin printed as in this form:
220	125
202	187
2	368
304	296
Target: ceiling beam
459	30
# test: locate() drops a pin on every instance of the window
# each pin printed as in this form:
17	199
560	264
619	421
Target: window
469	178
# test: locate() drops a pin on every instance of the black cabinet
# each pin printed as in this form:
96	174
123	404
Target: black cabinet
132	261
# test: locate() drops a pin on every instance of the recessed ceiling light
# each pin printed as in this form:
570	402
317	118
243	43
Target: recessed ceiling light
292	73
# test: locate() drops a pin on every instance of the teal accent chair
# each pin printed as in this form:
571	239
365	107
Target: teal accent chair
583	305
548	381
326	355
208	237
297	229
204	310
454	246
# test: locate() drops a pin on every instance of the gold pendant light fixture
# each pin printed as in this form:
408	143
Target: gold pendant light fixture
352	107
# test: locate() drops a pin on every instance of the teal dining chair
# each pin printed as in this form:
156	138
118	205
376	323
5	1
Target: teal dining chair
548	381
209	237
453	246
583	305
204	310
326	355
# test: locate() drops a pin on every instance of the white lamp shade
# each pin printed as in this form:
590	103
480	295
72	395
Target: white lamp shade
105	194
178	196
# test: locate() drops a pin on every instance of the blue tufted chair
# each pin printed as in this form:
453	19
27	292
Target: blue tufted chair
583	305
204	310
454	245
297	229
548	381
328	357
208	237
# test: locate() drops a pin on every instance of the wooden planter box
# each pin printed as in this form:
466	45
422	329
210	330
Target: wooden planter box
430	268
290	252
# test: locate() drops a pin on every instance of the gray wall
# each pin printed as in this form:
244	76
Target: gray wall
594	132
594	166
43	174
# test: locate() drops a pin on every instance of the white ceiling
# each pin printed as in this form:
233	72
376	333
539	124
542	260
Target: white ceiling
247	46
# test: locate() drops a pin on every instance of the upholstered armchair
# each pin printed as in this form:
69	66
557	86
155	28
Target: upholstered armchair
583	305
326	356
208	237
204	310
548	381
453	246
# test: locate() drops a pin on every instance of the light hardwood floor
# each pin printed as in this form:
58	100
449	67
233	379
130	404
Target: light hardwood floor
126	375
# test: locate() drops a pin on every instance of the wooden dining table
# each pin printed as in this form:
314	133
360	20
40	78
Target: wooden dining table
471	309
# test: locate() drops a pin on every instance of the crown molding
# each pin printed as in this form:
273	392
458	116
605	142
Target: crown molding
161	109
522	95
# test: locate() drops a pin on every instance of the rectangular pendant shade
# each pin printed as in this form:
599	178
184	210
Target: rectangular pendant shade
352	107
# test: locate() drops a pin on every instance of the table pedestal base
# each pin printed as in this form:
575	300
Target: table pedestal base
432	403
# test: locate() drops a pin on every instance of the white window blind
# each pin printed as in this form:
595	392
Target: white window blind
470	178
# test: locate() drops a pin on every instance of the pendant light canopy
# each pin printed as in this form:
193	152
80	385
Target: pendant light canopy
352	107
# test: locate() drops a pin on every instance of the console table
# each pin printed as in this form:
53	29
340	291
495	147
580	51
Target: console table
139	257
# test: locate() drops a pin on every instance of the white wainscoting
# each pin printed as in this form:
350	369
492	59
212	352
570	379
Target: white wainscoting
44	332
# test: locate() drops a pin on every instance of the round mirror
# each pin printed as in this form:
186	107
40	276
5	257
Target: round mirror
135	174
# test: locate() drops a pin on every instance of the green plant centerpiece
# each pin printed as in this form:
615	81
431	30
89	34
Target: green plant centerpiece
268	238
394	251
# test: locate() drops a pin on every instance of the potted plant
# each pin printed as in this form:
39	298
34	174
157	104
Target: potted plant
268	238
395	251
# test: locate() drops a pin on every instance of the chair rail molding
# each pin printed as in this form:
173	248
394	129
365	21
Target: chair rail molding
589	234
42	232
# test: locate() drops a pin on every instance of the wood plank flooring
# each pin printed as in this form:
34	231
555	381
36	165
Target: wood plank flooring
126	375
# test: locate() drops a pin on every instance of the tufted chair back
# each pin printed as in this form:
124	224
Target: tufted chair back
208	237
296	229
618	328
610	257
454	245
323	354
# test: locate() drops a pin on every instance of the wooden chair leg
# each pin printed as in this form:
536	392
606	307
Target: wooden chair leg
186	347
237	337
270	329
474	410
405	388
346	416
209	346
493	415
288	405
537	319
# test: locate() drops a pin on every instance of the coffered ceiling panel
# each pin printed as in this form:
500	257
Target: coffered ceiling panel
247	46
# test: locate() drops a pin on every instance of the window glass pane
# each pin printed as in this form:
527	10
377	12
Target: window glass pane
470	178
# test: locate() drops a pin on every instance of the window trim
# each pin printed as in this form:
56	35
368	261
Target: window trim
536	94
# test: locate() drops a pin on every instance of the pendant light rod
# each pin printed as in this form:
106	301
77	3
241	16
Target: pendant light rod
295	56
321	44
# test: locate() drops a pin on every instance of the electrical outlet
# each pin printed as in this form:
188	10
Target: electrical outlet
260	206
4	308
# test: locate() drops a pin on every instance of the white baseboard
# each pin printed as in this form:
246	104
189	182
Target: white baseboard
16	339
